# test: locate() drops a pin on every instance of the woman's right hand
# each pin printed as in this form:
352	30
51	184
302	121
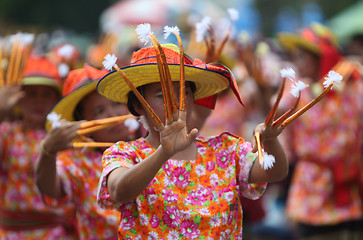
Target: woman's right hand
60	138
9	97
174	136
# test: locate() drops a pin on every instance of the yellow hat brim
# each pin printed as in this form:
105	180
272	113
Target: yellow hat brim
291	41
207	82
66	105
41	81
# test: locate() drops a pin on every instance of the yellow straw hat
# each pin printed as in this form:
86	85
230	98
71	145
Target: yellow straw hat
79	83
209	79
309	38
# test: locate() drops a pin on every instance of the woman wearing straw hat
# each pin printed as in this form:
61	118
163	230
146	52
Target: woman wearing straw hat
324	196
71	176
173	184
23	215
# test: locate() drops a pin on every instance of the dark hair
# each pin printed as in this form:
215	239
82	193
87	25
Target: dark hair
132	99
77	113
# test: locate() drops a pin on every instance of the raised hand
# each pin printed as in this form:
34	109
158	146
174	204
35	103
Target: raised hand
174	136
61	137
10	95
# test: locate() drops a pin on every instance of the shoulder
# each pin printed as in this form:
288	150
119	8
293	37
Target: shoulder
224	139
224	136
130	146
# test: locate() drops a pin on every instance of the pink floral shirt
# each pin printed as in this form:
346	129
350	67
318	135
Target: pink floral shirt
328	144
196	199
20	201
80	171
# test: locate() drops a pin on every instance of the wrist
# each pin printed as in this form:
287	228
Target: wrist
163	155
45	151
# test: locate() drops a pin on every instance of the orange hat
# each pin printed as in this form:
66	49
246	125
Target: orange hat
39	70
319	40
79	83
209	79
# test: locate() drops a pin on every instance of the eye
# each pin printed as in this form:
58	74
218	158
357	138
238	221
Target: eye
99	111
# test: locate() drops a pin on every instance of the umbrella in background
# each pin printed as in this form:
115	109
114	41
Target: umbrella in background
348	22
157	12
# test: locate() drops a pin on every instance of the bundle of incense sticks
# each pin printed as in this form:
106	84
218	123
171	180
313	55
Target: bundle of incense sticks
285	118
170	103
12	63
95	125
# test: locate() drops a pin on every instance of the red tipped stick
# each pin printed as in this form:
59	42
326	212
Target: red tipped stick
307	107
279	121
169	83
164	84
182	105
272	113
2	80
259	147
142	100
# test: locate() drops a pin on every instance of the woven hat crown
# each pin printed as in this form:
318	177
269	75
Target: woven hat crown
78	77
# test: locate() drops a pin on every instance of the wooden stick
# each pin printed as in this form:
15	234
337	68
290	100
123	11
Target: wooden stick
279	121
92	144
182	106
272	113
259	147
23	62
164	85
95	128
2	81
105	121
17	63
225	39
11	63
307	107
169	82
142	100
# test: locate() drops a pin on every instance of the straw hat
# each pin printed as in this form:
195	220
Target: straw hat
39	70
209	79
78	84
309	38
317	39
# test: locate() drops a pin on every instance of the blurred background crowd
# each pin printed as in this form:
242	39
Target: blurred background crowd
72	33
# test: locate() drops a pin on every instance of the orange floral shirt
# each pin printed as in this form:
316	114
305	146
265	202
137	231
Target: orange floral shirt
327	142
196	199
19	196
80	171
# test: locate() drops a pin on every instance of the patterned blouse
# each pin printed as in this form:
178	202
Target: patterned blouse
327	141
23	214
80	171
196	199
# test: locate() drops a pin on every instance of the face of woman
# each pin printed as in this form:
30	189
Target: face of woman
153	94
37	102
307	63
95	106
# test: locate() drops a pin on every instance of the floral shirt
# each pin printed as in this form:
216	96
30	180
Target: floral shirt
20	200
80	171
327	141
196	199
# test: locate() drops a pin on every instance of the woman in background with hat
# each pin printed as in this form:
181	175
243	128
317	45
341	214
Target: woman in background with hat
23	215
324	197
71	177
173	184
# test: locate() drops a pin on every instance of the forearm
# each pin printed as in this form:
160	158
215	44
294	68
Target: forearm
277	172
126	184
280	169
46	178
